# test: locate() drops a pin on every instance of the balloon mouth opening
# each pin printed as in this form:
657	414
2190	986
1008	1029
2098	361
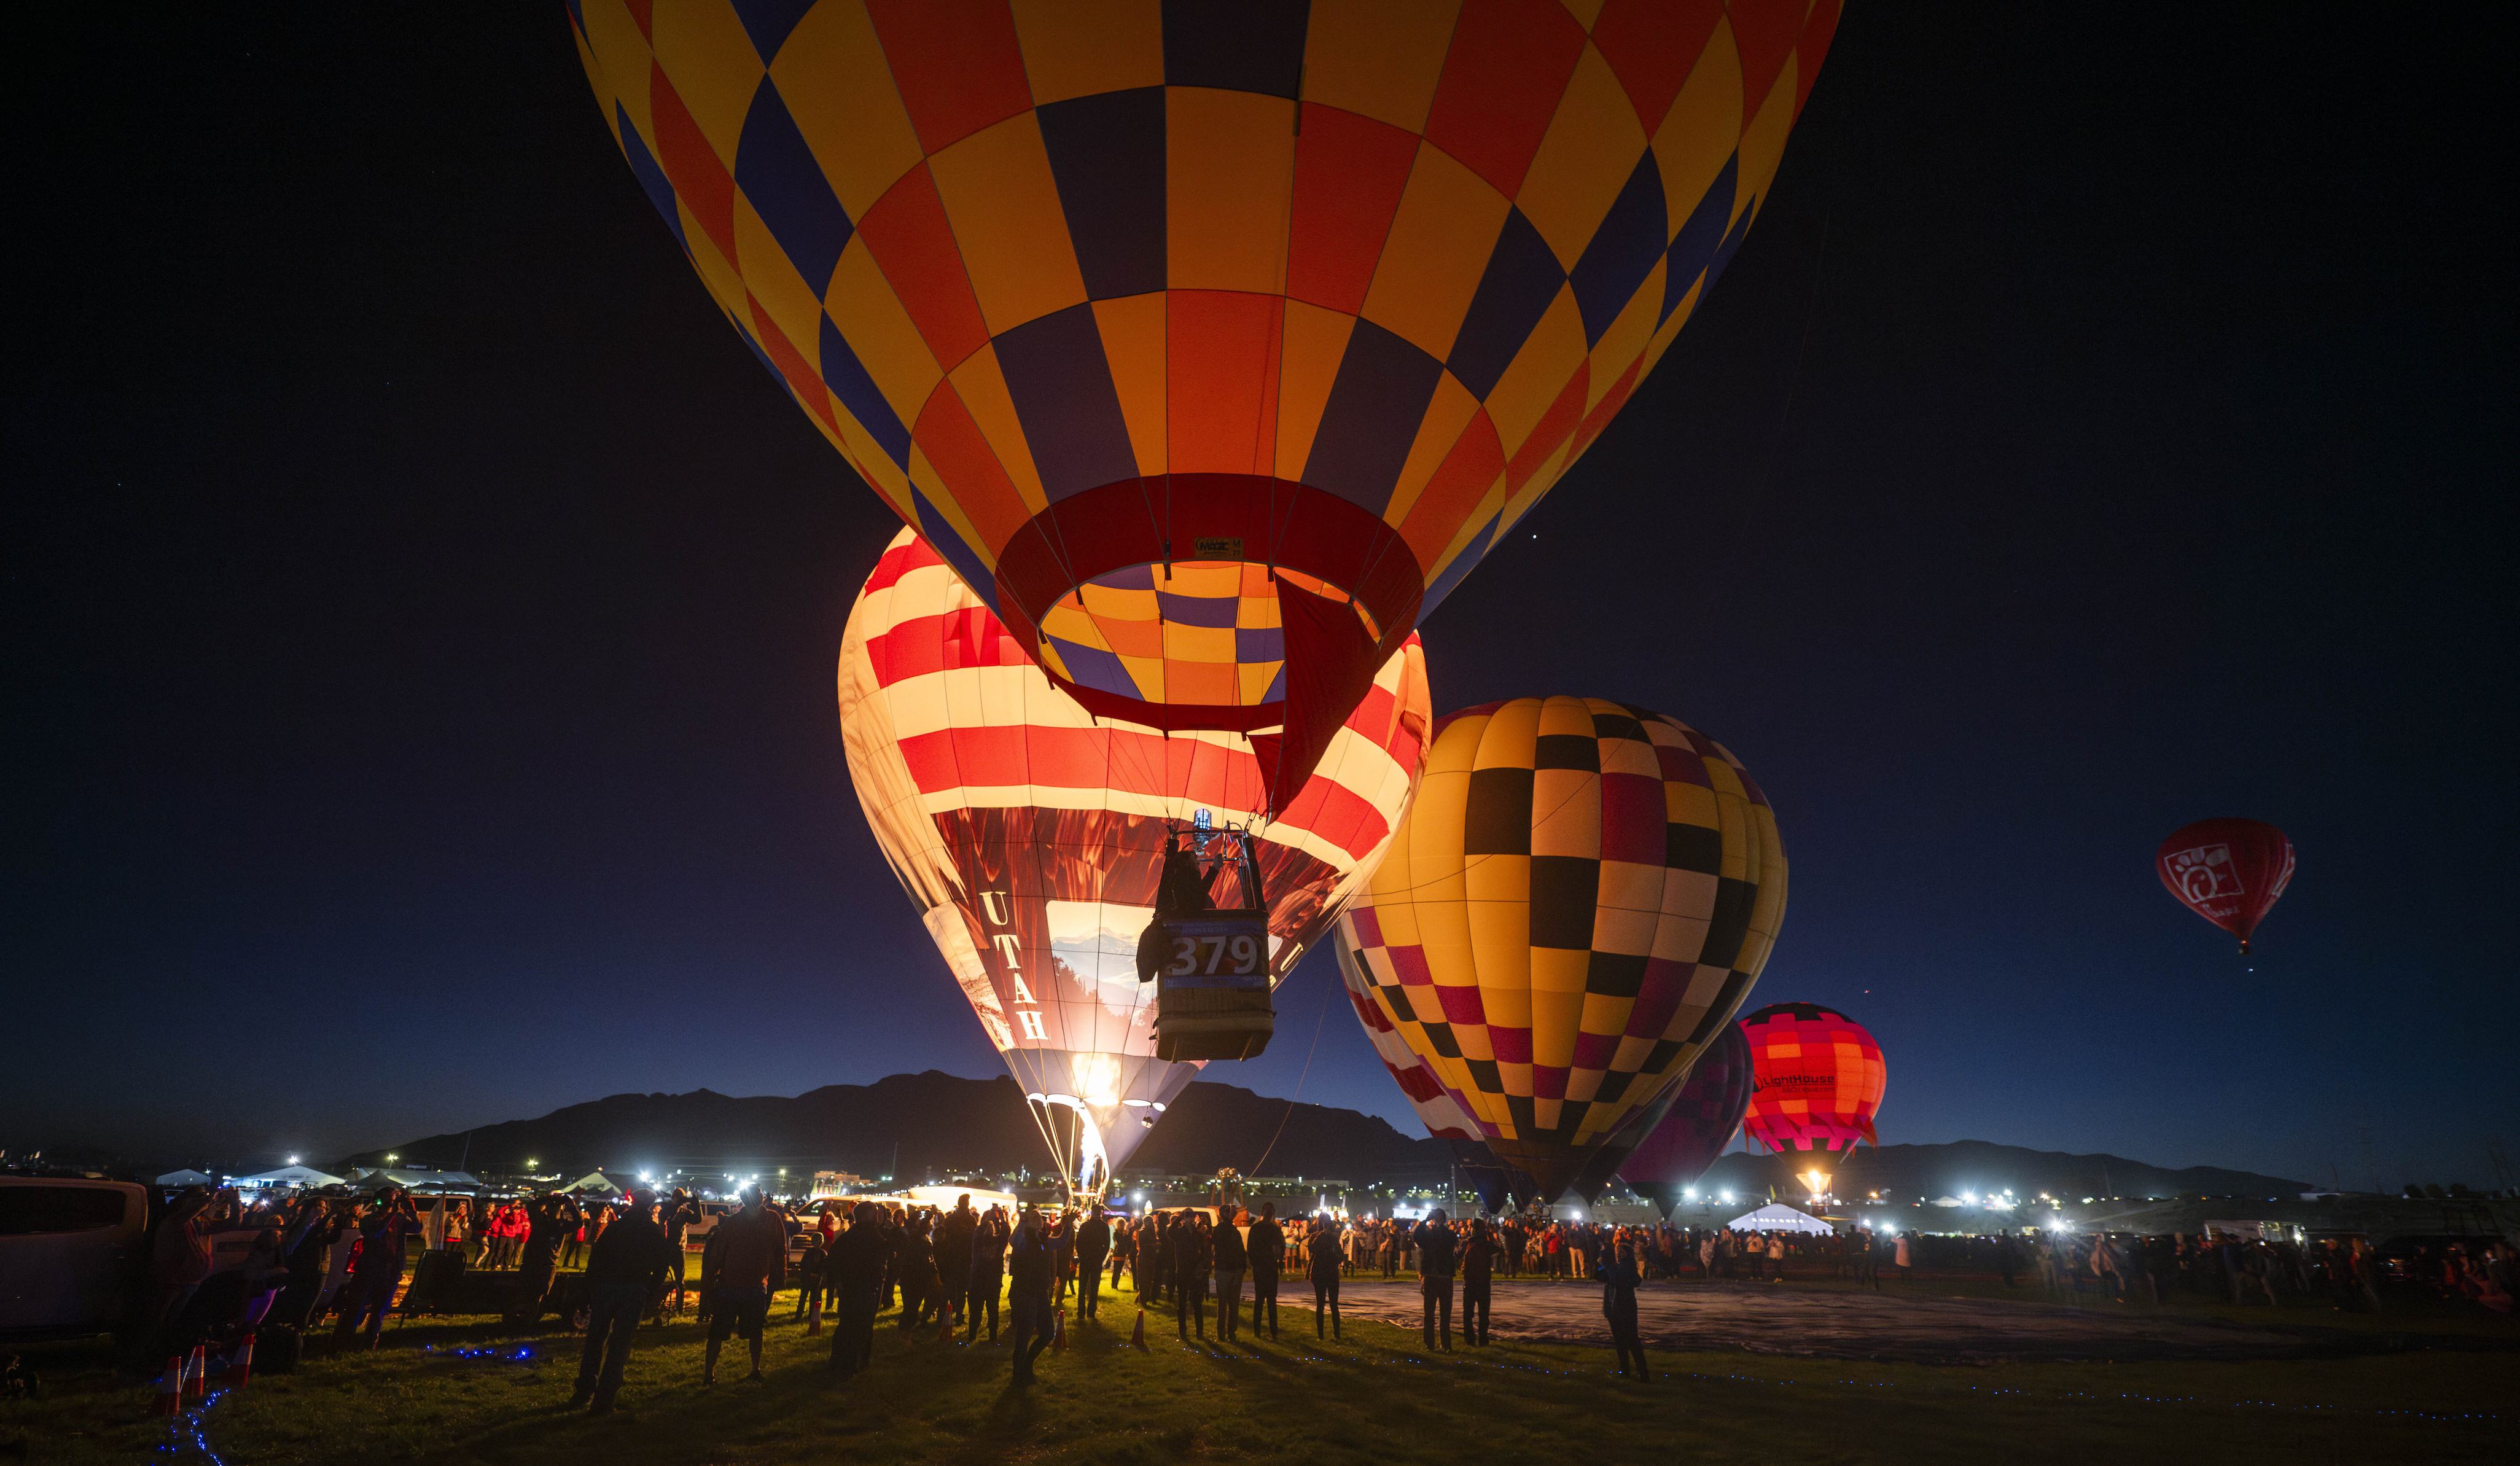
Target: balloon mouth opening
1158	600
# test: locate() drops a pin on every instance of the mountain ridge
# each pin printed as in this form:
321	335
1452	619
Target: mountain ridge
914	1126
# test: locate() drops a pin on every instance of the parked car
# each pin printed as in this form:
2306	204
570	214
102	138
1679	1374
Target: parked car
72	1255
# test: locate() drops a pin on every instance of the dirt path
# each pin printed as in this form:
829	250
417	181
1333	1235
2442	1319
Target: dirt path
1763	1318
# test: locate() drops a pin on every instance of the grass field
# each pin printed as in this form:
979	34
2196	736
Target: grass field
1375	1397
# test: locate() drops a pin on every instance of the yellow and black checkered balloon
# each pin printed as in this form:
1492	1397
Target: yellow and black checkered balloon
1576	905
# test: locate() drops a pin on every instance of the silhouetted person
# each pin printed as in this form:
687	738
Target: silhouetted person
1028	1285
548	1221
1267	1245
1093	1245
746	1259
1326	1258
1233	1260
1618	1274
1436	1245
378	1271
953	1252
1479	1251
1194	1255
625	1270
854	1275
988	1270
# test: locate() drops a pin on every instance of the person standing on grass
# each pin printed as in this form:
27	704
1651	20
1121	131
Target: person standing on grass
1619	1280
675	1216
1062	1256
1479	1251
1904	1255
1326	1257
1193	1256
180	1257
1777	1257
548	1221
854	1275
988	1270
1124	1255
1267	1246
916	1252
625	1270
1436	1246
1029	1299
812	1267
1093	1245
1233	1260
746	1263
954	1261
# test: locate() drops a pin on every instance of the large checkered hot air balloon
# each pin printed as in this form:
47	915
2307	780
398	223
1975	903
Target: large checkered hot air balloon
1212	341
1031	835
2231	871
1577	903
1819	1079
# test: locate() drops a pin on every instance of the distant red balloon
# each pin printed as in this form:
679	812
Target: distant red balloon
1819	1079
2229	871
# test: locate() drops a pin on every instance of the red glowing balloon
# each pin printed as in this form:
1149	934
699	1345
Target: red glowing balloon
2231	871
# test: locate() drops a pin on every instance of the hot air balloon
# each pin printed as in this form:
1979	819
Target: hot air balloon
1031	835
1818	1075
1703	1117
2231	871
1211	344
1442	1115
1578	901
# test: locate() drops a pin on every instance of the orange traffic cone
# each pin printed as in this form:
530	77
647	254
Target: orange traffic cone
171	1388
241	1365
197	1374
814	1318
1138	1335
1058	1331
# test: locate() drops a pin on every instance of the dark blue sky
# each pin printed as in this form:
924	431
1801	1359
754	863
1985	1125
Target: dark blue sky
422	606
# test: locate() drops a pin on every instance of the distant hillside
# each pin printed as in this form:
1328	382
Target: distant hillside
915	1126
1925	1171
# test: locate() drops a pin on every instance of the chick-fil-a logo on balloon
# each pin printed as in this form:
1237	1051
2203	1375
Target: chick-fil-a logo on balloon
2205	873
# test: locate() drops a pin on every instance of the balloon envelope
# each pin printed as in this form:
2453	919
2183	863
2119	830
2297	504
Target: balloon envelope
1578	901
1441	1114
1214	344
1030	834
1818	1078
2231	871
1704	1116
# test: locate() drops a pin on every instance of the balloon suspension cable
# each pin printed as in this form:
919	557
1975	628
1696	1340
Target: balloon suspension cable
1299	1088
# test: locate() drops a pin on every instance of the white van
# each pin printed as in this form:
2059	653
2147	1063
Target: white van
71	1255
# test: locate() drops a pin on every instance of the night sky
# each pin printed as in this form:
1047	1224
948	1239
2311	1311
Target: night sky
423	607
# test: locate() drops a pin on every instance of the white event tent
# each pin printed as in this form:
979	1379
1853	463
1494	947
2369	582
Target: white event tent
1776	1217
290	1176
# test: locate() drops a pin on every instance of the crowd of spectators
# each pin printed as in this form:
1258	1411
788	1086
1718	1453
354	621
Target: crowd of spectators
955	1272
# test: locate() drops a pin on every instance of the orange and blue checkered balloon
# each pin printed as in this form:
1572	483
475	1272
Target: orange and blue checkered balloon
1818	1075
1576	904
1212	341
